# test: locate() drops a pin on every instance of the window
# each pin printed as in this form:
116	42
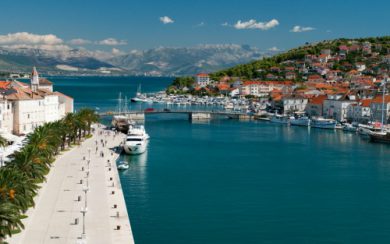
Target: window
134	139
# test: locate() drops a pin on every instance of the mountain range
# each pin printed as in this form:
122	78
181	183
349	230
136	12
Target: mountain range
161	61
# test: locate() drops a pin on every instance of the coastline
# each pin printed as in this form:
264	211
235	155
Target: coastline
61	199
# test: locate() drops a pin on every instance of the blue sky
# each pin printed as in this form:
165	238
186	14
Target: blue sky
136	24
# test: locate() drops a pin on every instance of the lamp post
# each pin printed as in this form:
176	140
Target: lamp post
87	176
85	190
84	211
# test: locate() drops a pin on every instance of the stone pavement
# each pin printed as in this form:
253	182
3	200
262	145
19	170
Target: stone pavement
57	216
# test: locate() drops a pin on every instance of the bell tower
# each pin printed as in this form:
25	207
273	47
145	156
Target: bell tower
34	80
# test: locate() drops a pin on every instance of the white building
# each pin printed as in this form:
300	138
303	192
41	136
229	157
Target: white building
294	104
31	105
202	79
336	106
360	112
377	106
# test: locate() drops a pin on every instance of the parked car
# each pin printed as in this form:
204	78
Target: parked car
149	110
167	110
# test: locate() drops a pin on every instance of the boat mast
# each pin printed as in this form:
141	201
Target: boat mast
383	102
120	103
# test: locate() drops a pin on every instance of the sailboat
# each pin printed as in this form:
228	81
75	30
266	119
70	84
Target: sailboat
121	121
384	134
139	97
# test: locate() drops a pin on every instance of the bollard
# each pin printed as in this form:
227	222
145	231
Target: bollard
110	178
117	214
118	227
109	169
108	160
79	198
113	192
82	168
76	221
84	158
81	182
112	184
115	206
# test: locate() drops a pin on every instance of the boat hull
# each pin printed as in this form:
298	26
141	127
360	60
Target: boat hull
378	137
134	149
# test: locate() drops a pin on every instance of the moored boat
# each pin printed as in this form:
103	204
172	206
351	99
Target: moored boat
136	140
300	121
322	123
279	119
122	165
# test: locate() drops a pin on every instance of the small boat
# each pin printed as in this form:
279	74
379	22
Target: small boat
279	119
301	121
349	128
136	140
139	97
123	165
322	123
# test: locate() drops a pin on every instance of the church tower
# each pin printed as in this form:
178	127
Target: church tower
34	80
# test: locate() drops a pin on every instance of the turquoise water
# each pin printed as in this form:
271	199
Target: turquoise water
247	182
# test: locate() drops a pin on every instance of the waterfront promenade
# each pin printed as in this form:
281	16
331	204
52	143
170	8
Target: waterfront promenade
57	216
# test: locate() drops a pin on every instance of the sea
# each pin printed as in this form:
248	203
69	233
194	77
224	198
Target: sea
228	181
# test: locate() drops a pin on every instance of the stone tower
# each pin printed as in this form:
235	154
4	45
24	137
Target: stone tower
34	80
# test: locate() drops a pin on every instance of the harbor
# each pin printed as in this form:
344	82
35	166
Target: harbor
82	200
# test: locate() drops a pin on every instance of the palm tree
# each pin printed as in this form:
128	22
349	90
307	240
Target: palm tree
69	123
90	117
10	219
17	188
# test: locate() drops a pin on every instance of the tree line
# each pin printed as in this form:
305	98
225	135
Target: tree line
27	168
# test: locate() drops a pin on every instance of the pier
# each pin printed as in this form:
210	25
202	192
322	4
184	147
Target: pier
192	114
82	200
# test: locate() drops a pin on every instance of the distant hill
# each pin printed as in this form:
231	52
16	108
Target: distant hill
167	61
162	61
379	47
21	60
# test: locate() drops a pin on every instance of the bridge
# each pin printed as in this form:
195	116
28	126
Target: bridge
192	114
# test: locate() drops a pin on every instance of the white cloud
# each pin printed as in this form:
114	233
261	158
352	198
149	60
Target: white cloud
116	52
274	49
298	29
166	20
112	42
225	24
29	38
79	41
253	24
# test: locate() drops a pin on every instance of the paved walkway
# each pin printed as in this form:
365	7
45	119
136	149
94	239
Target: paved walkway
57	216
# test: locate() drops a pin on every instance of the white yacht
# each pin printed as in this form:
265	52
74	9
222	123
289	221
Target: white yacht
279	119
323	123
301	121
136	140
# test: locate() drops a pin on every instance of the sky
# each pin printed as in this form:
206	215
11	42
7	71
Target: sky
124	25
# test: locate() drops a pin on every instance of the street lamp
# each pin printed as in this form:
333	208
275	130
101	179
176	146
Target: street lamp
85	190
84	211
87	176
89	153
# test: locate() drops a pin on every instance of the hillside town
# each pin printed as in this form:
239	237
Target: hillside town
344	83
25	106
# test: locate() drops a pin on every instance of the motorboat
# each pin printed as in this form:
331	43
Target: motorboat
322	123
123	165
280	119
349	127
300	121
136	140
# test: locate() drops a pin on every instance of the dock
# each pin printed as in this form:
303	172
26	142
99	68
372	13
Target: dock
192	114
77	186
